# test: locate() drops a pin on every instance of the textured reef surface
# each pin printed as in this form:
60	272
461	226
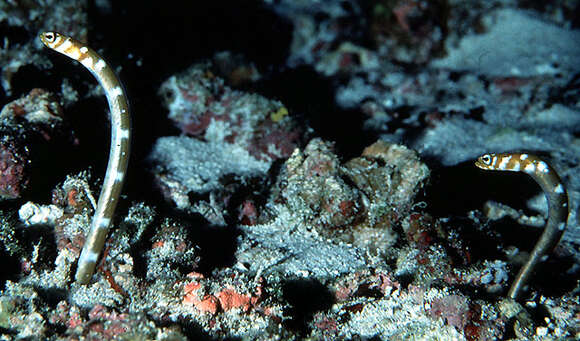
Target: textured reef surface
300	170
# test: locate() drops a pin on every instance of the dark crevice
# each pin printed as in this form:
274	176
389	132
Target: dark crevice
306	297
217	247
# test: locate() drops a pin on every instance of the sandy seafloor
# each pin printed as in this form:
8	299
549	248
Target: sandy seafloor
300	170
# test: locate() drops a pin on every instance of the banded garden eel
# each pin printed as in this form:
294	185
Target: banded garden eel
557	198
119	150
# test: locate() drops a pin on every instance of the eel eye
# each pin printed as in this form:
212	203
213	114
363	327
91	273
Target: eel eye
486	159
49	36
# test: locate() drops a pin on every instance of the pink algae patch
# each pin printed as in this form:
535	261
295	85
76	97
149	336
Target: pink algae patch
101	312
207	304
74	321
107	322
190	289
225	300
230	299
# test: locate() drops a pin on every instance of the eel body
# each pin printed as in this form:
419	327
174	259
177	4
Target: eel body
119	149
556	195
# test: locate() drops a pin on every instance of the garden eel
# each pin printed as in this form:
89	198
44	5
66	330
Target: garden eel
118	155
557	198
